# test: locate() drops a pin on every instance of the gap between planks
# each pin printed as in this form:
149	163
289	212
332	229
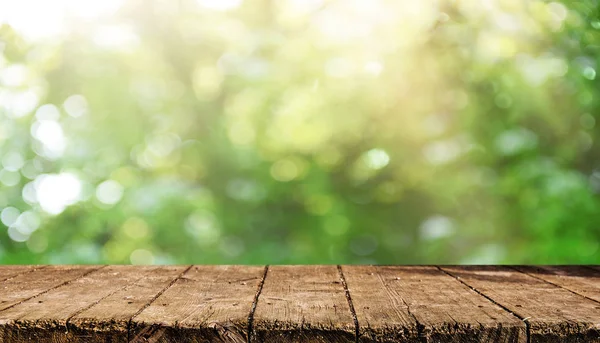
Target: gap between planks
95	302
154	299
491	300
350	304
254	304
553	284
353	311
51	288
85	308
256	299
27	271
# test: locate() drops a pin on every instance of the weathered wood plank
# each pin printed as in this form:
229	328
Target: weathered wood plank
47	318
299	304
109	319
412	304
581	280
28	285
9	272
553	314
206	304
303	304
381	312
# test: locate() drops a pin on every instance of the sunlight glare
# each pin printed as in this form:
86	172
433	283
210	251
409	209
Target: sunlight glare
51	135
49	18
54	192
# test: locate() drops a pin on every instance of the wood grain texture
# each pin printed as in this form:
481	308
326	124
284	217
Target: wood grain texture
553	314
366	304
206	304
9	272
412	304
109	319
28	287
49	316
303	304
584	281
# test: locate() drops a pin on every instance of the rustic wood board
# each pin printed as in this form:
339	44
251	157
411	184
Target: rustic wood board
581	280
553	314
30	287
303	304
62	314
109	319
9	272
206	304
410	304
25	286
58	304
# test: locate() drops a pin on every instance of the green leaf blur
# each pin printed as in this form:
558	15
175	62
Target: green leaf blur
292	131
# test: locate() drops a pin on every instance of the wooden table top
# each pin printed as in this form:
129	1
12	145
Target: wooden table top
299	304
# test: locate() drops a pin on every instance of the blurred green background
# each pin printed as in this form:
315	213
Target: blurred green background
299	131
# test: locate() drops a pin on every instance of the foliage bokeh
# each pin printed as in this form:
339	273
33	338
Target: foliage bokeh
291	131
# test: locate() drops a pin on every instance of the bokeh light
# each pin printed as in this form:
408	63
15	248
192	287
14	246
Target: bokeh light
292	131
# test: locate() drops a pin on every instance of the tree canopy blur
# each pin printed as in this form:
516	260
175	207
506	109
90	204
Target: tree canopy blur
299	131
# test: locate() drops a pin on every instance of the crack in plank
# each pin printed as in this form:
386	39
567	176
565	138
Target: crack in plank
54	287
255	303
350	304
490	299
26	271
154	299
552	283
87	307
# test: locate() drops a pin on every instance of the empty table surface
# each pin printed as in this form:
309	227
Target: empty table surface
310	303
